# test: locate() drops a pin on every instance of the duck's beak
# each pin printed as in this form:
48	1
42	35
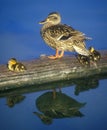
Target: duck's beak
44	21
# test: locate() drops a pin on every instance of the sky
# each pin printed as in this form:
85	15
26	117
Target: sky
20	29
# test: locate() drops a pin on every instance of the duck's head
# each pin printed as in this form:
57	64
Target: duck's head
53	18
12	61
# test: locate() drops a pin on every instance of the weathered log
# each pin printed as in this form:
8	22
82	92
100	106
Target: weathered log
44	70
80	85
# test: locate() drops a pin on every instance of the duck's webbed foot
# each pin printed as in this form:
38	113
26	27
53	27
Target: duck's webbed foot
57	55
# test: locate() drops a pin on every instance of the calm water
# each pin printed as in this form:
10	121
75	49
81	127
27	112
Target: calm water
79	104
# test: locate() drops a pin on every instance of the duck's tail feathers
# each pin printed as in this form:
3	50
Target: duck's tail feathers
82	51
88	38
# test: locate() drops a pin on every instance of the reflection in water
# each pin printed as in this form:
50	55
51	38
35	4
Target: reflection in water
61	106
14	99
86	84
55	105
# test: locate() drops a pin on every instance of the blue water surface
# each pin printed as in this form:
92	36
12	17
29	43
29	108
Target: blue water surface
21	115
20	38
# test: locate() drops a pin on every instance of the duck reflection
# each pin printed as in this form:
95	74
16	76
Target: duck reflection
14	99
58	106
86	84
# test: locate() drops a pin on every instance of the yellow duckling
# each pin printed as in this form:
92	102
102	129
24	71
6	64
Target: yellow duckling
15	66
95	55
62	37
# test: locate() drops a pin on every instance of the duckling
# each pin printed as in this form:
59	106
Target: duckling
95	55
84	60
92	58
16	66
62	37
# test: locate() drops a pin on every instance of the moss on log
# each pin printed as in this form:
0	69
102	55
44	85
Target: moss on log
44	70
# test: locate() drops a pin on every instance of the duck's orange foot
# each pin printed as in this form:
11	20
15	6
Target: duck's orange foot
57	55
52	57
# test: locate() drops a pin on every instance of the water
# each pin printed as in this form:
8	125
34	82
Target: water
20	38
79	106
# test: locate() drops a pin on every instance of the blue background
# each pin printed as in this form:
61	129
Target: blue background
20	31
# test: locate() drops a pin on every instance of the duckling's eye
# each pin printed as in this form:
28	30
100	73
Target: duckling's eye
22	67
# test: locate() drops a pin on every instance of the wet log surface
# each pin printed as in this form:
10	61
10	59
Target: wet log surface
43	71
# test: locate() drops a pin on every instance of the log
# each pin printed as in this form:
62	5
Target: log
43	70
80	85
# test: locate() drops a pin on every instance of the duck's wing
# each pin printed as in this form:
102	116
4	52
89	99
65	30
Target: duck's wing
62	32
59	32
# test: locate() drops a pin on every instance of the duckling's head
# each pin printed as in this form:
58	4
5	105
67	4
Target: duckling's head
12	61
20	67
53	18
91	49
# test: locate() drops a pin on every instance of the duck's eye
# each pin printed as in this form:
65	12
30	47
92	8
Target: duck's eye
55	18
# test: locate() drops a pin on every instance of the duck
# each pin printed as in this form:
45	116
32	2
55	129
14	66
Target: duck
95	55
14	65
62	37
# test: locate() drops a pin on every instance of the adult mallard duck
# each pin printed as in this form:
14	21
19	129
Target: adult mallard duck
16	66
62	37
